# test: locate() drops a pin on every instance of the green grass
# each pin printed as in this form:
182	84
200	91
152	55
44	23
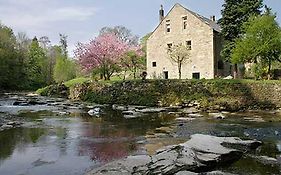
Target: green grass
42	91
75	81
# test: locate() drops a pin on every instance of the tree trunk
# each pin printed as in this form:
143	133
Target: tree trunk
134	71
124	78
269	70
179	67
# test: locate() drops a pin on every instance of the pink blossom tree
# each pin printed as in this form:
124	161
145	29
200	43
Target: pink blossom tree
104	53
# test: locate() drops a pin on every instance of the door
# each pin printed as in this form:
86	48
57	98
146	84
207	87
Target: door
166	75
196	75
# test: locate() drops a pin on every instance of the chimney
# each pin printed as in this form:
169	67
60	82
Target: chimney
213	18
161	13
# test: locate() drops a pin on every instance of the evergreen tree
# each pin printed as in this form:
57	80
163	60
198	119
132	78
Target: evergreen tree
37	61
234	14
65	68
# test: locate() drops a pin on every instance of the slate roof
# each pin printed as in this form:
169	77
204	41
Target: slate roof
208	21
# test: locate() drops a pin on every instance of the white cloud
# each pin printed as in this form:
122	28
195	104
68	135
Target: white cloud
29	13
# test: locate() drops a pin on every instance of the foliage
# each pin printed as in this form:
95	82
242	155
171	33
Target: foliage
234	14
261	44
12	61
37	61
179	54
65	69
133	60
76	81
27	64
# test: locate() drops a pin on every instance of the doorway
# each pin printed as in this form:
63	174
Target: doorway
196	75
166	75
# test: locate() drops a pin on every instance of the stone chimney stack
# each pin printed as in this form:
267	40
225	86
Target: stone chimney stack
213	18
161	13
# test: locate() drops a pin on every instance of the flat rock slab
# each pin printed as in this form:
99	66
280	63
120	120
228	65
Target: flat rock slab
200	154
208	173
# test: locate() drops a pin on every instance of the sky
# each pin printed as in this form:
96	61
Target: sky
81	20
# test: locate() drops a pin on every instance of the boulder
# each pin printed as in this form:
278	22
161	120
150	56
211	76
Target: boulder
95	112
217	115
151	110
131	114
200	154
191	110
195	115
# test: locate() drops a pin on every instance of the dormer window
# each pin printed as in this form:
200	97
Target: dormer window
184	22
168	26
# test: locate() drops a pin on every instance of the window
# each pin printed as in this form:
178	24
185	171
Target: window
196	75
188	44
168	26
169	45
184	22
154	64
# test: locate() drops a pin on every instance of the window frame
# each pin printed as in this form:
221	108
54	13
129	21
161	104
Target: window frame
184	22
189	44
168	26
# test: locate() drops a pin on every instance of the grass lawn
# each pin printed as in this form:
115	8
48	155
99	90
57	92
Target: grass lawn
75	81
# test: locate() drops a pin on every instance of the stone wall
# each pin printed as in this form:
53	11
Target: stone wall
229	95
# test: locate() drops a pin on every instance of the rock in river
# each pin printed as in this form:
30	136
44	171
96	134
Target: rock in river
200	154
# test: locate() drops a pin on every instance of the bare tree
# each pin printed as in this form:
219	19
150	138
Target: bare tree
63	44
179	54
122	33
44	42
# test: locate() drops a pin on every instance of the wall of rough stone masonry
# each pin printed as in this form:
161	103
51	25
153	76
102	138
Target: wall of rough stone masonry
202	53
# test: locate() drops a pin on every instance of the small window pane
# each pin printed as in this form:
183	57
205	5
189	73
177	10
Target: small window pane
184	24
153	64
184	19
168	26
170	45
188	44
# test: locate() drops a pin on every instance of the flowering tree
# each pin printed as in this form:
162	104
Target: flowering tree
104	53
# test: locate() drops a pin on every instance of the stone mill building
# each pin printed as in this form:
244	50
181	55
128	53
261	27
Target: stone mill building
201	34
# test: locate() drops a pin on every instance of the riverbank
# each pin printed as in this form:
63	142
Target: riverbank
227	95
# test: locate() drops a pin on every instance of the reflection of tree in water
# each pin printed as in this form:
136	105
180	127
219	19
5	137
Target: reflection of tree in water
113	137
107	150
61	134
17	139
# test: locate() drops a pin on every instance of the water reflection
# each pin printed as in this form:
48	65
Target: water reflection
72	144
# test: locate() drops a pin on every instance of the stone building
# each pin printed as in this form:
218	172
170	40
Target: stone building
201	34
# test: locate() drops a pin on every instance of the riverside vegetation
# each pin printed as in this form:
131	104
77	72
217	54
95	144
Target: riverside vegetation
230	95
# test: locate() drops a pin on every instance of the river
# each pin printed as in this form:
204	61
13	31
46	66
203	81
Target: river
60	137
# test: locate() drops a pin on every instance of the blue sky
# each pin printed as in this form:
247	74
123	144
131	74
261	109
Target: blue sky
81	20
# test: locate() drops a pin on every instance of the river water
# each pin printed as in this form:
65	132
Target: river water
61	138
